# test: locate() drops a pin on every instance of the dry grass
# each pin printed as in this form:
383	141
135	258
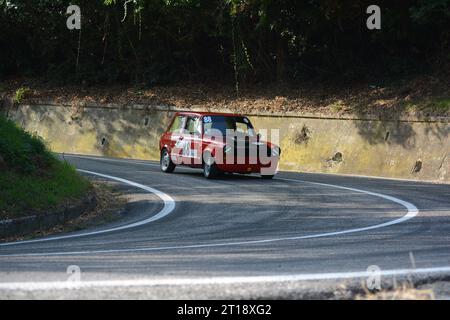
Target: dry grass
405	291
425	94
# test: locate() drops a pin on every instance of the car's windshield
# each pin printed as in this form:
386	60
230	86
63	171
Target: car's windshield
240	125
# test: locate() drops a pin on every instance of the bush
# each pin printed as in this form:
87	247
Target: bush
32	179
22	194
21	94
21	151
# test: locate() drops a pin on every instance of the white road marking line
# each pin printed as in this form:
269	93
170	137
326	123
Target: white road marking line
169	206
142	162
411	213
412	209
147	162
349	175
139	162
55	285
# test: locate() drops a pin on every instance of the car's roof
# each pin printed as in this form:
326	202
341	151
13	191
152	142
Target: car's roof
205	113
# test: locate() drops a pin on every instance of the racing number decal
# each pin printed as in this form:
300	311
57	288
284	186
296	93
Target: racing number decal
207	119
186	148
188	151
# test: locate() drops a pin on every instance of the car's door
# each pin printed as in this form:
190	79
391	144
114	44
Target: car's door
175	136
192	138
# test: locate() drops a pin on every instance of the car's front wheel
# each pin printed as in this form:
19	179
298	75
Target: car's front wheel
166	163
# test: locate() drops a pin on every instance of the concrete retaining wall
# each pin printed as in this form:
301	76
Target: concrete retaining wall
412	149
29	224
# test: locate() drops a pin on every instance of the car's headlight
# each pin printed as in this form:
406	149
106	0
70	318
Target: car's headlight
227	149
276	152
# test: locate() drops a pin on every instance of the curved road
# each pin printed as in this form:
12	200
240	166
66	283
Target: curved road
299	235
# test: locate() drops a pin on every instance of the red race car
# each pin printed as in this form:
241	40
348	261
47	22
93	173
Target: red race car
217	143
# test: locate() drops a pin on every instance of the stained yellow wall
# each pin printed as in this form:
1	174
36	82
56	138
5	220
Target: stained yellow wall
375	148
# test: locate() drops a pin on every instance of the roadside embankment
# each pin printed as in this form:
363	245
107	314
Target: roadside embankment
18	227
103	204
36	189
409	148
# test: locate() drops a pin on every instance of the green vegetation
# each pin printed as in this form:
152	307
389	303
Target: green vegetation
442	104
150	42
20	94
31	178
293	55
436	105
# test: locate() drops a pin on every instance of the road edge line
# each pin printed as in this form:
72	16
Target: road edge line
169	206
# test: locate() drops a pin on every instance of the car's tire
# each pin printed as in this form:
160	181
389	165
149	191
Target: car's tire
166	163
267	177
210	169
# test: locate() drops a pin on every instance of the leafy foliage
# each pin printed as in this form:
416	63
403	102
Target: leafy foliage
160	41
31	178
21	151
20	94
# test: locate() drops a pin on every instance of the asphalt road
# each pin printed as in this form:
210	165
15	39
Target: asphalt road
297	236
